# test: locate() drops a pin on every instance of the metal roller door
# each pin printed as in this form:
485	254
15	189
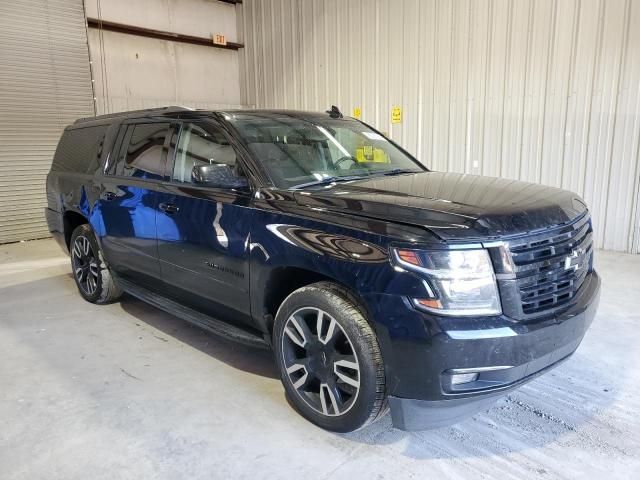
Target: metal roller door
45	84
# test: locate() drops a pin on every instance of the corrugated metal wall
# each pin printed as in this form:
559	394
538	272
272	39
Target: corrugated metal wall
45	84
538	90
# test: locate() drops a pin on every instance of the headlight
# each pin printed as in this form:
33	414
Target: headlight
461	282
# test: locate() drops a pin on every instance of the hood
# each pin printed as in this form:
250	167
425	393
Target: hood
452	206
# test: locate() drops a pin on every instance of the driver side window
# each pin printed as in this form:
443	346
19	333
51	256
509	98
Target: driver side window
201	144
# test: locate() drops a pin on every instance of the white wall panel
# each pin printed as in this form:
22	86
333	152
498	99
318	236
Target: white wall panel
200	18
133	72
545	91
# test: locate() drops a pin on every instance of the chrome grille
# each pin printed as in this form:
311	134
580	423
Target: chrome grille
551	267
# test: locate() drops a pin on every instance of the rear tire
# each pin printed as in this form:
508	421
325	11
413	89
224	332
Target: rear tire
93	278
329	358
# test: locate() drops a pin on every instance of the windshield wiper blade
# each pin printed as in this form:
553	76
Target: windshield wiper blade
345	178
328	180
398	171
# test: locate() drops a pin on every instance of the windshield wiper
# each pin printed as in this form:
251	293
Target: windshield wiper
328	180
345	178
398	171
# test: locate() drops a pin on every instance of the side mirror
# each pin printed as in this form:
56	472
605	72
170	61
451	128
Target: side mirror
217	175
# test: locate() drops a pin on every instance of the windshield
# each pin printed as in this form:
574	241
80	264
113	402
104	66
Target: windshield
297	152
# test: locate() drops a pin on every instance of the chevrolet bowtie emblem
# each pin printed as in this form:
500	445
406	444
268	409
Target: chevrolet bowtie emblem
574	260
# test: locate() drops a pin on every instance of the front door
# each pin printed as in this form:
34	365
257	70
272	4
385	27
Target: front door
203	231
129	201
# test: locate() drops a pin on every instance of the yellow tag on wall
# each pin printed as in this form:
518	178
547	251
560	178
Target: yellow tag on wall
357	113
396	115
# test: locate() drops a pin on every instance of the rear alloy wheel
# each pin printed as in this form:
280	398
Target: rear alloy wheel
93	278
329	358
85	265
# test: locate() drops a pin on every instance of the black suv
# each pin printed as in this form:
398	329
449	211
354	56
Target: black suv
377	283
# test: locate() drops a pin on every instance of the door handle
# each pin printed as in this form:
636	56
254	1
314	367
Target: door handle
108	196
168	208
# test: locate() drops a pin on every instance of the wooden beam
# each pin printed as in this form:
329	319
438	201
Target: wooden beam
158	34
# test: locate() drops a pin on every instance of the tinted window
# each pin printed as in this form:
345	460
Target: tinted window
144	154
201	145
110	168
80	150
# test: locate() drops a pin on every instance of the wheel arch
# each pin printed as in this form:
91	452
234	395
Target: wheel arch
72	220
284	280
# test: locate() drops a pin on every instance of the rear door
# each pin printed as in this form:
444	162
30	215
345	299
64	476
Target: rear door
203	232
129	201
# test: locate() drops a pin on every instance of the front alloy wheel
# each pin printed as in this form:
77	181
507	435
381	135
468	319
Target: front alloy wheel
320	361
329	358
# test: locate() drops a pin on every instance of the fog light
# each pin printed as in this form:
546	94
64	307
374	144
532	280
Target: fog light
459	378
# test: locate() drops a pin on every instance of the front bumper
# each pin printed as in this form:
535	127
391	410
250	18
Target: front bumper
504	353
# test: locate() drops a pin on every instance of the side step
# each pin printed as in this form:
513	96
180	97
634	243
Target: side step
206	322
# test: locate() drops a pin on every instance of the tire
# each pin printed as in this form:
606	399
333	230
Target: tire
93	278
329	358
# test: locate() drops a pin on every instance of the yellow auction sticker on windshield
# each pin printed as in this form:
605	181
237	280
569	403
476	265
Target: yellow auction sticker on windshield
370	154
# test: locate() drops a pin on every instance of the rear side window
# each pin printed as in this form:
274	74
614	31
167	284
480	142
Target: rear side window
79	150
142	153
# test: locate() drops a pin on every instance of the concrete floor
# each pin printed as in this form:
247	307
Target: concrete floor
128	391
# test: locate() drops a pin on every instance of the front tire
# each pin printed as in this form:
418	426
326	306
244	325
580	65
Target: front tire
93	278
329	358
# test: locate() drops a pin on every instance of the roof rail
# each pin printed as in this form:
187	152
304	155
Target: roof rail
170	109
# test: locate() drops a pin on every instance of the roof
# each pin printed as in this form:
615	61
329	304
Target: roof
135	113
178	109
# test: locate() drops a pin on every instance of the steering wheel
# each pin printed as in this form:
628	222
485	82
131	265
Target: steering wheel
344	159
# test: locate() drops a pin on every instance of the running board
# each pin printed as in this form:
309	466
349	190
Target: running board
206	322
